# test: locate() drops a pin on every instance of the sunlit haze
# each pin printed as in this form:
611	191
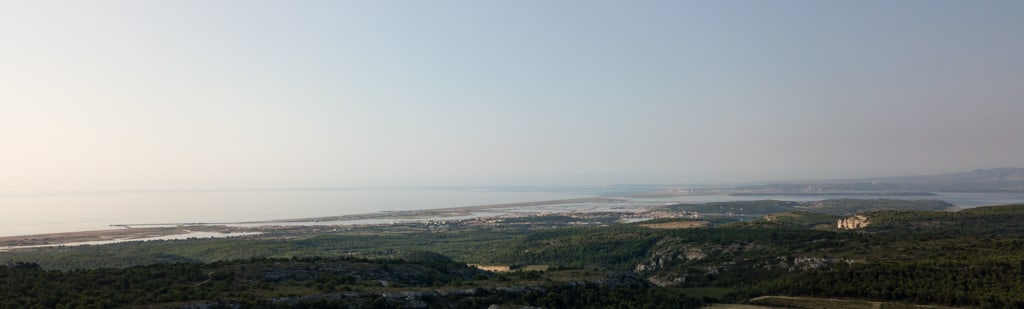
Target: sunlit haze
154	95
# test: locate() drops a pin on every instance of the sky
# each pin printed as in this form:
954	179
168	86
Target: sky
149	95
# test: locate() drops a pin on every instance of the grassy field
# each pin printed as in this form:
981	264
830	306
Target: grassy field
534	268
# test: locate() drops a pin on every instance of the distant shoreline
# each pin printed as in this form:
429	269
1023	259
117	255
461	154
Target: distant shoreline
128	232
142	231
396	213
859	193
124	234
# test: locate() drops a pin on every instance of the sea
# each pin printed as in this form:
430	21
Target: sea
38	213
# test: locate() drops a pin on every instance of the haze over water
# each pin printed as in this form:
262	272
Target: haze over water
69	212
141	97
93	211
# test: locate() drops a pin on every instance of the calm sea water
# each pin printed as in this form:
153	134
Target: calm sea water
51	213
35	214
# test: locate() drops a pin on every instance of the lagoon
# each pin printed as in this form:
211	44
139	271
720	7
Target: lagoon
24	214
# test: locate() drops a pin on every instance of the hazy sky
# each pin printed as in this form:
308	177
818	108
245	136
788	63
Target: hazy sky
111	95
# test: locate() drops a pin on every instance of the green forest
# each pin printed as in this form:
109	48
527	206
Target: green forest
966	258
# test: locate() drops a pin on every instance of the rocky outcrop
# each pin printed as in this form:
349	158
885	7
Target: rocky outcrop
808	263
853	223
665	256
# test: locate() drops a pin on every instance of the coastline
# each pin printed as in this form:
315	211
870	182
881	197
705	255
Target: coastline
131	232
447	211
112	235
173	230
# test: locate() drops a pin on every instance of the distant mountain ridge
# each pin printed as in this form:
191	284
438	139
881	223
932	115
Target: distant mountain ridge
1005	174
1007	179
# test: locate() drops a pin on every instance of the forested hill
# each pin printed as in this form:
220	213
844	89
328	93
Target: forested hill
972	257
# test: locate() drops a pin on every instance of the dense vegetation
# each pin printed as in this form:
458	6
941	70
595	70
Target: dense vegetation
982	281
463	246
972	257
424	280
